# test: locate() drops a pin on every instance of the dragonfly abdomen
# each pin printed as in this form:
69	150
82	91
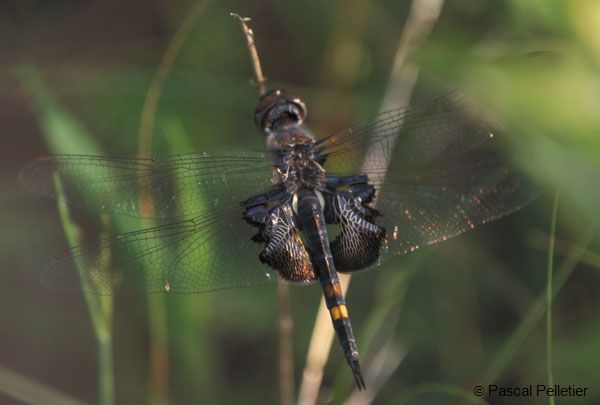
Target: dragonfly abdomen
312	219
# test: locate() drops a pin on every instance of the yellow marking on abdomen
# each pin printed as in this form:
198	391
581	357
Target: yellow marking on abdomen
338	312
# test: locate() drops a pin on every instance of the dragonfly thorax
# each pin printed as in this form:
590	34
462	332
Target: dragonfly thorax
297	161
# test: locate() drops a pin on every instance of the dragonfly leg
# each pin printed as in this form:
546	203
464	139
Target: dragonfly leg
338	181
275	193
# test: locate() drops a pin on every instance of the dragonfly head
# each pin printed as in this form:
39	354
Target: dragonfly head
277	110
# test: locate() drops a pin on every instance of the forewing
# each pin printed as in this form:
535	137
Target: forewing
428	131
180	185
209	252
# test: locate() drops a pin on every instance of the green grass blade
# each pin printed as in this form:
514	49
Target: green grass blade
159	356
537	311
64	134
100	308
193	354
549	270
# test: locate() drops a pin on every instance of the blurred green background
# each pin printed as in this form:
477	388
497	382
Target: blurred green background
74	78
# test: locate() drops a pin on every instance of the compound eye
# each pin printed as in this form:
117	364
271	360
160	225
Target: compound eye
265	103
277	108
300	106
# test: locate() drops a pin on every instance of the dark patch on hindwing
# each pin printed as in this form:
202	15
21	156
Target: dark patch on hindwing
358	244
284	250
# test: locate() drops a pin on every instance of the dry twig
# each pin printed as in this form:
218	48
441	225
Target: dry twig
286	359
422	18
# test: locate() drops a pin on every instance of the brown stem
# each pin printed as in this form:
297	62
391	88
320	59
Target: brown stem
286	324
249	35
286	360
422	18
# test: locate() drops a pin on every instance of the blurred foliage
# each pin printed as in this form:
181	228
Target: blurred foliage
451	315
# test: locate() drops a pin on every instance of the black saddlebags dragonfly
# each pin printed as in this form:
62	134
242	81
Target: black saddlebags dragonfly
301	212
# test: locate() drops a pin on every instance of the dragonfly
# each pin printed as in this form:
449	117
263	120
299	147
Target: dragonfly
299	212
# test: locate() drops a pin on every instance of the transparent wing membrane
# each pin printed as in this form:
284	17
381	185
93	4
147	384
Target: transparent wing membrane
434	169
438	201
431	165
436	129
181	185
205	253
